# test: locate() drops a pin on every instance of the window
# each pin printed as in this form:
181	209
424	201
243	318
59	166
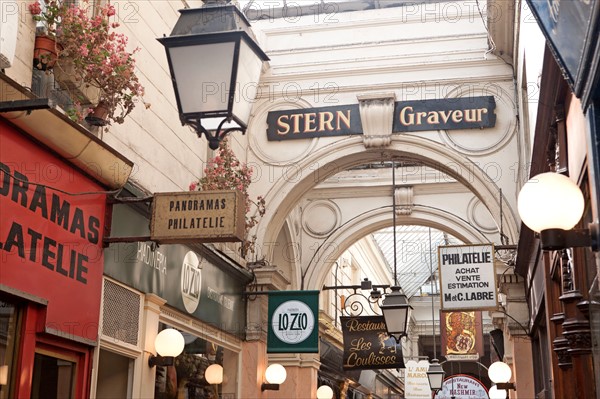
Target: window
186	376
8	327
53	377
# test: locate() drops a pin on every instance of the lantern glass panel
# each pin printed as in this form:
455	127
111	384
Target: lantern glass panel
248	75
395	319
436	380
203	76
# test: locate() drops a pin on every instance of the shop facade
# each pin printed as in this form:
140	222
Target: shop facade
560	285
147	288
51	233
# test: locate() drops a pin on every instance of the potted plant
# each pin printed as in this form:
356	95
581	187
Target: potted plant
225	172
92	55
46	49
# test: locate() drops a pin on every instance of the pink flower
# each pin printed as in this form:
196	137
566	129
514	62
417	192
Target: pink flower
111	11
35	8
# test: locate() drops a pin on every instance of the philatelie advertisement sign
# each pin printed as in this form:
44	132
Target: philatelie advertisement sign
51	241
467	277
198	216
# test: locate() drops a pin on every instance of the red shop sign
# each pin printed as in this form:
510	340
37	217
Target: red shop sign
50	241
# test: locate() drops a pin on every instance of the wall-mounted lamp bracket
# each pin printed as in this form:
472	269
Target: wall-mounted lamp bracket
160	361
214	138
556	239
269	387
506	386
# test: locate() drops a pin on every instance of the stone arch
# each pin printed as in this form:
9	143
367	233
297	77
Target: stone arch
348	152
344	153
316	269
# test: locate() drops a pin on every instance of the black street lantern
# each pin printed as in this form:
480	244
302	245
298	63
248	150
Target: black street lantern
396	312
435	375
215	66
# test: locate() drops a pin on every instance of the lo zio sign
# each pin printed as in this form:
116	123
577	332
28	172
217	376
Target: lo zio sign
293	324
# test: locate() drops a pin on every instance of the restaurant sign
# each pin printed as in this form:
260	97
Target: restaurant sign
293	325
198	216
462	386
367	345
409	116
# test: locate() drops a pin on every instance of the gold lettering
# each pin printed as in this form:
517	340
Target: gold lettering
309	120
325	118
359	344
419	115
471	115
411	117
457	116
433	118
445	115
283	125
344	118
479	111
296	119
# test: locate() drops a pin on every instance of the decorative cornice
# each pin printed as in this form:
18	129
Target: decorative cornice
270	278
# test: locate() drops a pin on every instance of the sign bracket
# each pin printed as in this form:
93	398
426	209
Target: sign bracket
125	200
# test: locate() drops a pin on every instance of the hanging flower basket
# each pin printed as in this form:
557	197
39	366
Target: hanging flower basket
45	52
99	115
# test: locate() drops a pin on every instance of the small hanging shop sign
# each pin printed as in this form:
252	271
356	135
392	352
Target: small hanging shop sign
367	345
293	324
467	277
198	216
462	335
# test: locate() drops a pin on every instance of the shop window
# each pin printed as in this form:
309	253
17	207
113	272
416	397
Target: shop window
8	328
185	379
53	377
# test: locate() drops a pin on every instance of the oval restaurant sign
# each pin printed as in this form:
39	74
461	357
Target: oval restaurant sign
409	116
463	387
197	216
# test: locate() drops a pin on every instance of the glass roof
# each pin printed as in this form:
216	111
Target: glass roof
416	255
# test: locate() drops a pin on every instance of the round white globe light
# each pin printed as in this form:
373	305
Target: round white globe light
499	372
214	374
495	393
275	374
550	201
324	392
169	342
